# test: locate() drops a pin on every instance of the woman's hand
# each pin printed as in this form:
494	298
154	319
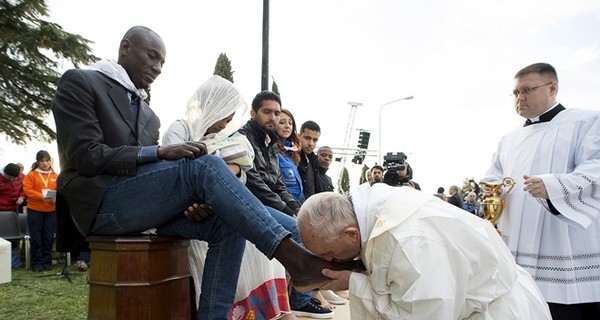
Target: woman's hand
235	168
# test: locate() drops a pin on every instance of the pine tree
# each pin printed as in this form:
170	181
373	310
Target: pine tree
363	179
275	87
344	182
30	52
223	67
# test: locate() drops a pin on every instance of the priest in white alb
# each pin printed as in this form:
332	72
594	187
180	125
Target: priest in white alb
424	258
550	221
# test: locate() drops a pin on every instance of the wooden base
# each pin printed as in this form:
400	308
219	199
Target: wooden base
144	277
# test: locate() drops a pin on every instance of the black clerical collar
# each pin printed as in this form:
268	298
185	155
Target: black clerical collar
545	117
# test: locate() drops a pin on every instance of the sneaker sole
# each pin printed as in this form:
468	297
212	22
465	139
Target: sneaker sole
313	315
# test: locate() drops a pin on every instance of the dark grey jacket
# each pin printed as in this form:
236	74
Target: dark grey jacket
264	179
96	139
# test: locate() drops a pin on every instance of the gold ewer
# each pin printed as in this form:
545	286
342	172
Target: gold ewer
493	205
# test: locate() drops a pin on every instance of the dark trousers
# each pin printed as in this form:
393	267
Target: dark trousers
581	311
42	226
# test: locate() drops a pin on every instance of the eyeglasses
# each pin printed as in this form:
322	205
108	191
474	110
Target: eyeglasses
528	90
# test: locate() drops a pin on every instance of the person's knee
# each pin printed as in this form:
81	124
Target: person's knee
210	160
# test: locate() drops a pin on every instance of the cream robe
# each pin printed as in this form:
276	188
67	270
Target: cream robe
427	259
561	252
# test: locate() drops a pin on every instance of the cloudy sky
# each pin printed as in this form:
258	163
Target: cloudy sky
457	58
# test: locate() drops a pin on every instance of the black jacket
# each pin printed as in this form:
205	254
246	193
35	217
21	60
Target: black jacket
264	179
324	182
97	139
456	200
310	162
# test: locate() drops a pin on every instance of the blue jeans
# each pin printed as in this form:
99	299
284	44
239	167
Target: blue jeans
157	197
297	299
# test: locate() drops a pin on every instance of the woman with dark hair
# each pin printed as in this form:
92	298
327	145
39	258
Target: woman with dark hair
289	154
40	188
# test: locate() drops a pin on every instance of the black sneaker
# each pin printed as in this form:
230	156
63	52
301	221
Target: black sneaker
313	310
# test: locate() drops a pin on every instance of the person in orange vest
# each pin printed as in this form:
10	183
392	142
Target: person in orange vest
40	187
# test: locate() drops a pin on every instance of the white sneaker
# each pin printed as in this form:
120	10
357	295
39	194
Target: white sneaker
333	298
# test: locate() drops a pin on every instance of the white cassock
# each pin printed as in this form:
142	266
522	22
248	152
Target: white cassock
427	259
561	252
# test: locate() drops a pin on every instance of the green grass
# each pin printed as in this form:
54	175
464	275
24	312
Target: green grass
44	295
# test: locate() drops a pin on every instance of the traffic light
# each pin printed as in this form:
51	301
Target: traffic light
363	140
359	157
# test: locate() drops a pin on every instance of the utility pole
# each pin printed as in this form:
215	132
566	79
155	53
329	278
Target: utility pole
264	79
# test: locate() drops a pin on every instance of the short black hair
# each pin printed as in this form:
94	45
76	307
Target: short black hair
441	190
377	167
262	96
310	125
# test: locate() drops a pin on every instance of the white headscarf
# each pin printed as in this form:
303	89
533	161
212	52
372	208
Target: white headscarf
213	101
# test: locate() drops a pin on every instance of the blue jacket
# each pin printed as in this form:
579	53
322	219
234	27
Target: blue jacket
291	177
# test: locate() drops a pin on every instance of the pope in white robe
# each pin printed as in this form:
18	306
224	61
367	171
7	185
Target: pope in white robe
550	221
424	258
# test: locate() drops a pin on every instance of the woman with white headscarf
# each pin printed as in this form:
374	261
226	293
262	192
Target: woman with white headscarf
211	111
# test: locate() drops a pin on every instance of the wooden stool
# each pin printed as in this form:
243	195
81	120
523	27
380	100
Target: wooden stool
145	277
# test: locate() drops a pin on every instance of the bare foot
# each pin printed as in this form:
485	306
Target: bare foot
324	303
288	316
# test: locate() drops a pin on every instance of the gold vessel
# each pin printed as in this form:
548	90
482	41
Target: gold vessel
493	205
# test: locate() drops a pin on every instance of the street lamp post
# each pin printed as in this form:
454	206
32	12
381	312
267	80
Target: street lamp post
380	108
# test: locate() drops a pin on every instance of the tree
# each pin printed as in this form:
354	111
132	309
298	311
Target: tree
363	179
344	182
30	52
223	67
275	87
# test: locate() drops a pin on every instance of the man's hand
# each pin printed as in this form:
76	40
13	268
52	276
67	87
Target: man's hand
20	200
190	150
198	212
535	186
341	280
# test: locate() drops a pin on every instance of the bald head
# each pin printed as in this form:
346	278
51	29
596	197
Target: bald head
142	54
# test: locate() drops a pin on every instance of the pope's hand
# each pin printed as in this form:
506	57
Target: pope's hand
341	280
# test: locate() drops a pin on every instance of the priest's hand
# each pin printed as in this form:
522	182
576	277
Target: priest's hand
341	280
535	186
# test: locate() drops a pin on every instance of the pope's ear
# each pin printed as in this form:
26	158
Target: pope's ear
353	233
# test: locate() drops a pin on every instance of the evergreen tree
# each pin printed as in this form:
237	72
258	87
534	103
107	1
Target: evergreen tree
363	179
30	51
223	67
344	182
275	87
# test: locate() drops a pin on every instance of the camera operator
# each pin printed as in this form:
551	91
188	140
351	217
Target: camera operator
399	172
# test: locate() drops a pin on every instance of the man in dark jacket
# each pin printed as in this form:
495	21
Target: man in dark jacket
325	156
454	197
309	163
264	179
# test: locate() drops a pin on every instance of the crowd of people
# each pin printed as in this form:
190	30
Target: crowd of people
33	195
258	205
